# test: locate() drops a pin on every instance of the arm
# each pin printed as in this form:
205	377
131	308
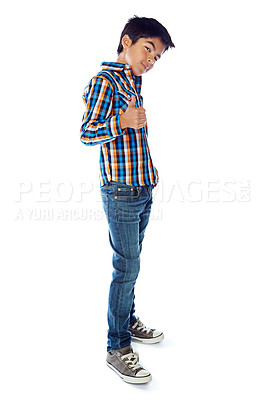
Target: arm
97	125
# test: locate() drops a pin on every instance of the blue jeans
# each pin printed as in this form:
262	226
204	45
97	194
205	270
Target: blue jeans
127	209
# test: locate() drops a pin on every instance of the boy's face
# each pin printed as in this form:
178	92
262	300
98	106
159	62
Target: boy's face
141	55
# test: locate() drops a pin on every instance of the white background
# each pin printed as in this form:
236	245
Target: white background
202	279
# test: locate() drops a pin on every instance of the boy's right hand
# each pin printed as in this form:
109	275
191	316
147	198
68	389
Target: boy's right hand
133	117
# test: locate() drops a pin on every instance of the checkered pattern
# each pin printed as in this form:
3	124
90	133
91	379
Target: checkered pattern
124	154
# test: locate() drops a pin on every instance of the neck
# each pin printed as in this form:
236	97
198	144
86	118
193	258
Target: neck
121	58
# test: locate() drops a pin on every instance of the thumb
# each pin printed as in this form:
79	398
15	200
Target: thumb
132	102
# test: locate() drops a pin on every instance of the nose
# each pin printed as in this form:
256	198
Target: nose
150	61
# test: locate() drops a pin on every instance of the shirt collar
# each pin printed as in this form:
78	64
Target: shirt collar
115	66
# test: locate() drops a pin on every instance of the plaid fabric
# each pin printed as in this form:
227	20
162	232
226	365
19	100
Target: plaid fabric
124	155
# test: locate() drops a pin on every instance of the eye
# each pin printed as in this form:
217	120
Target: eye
149	50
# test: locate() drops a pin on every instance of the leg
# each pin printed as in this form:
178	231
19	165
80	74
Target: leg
123	206
144	220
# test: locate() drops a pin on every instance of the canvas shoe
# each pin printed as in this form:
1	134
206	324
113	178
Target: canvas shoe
140	333
125	363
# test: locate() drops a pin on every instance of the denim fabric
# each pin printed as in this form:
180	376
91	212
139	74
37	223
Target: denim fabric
127	209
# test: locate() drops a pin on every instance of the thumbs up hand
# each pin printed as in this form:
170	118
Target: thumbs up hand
133	117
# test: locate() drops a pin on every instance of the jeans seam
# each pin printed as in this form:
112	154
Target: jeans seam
120	294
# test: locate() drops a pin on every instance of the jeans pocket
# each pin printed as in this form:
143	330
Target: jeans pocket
126	192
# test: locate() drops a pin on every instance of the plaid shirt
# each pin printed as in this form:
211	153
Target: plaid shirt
124	154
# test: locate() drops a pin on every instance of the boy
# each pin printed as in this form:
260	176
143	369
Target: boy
115	119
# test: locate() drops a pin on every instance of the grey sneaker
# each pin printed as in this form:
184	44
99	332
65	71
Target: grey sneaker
140	333
125	363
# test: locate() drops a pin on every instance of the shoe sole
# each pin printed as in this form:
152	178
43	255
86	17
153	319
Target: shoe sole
130	379
156	339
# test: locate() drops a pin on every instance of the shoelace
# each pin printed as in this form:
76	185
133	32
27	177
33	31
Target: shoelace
140	326
131	360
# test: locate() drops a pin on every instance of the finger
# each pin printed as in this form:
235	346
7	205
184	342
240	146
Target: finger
142	122
141	111
142	117
132	102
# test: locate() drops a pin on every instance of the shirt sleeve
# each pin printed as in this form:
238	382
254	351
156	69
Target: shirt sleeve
97	124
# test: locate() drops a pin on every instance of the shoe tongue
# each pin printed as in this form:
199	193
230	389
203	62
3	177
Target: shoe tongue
126	350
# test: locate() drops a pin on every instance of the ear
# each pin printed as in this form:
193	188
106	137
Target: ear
126	42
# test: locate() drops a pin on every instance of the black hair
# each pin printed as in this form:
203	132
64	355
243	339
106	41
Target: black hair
137	28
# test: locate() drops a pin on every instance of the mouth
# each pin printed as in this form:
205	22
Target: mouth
144	67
